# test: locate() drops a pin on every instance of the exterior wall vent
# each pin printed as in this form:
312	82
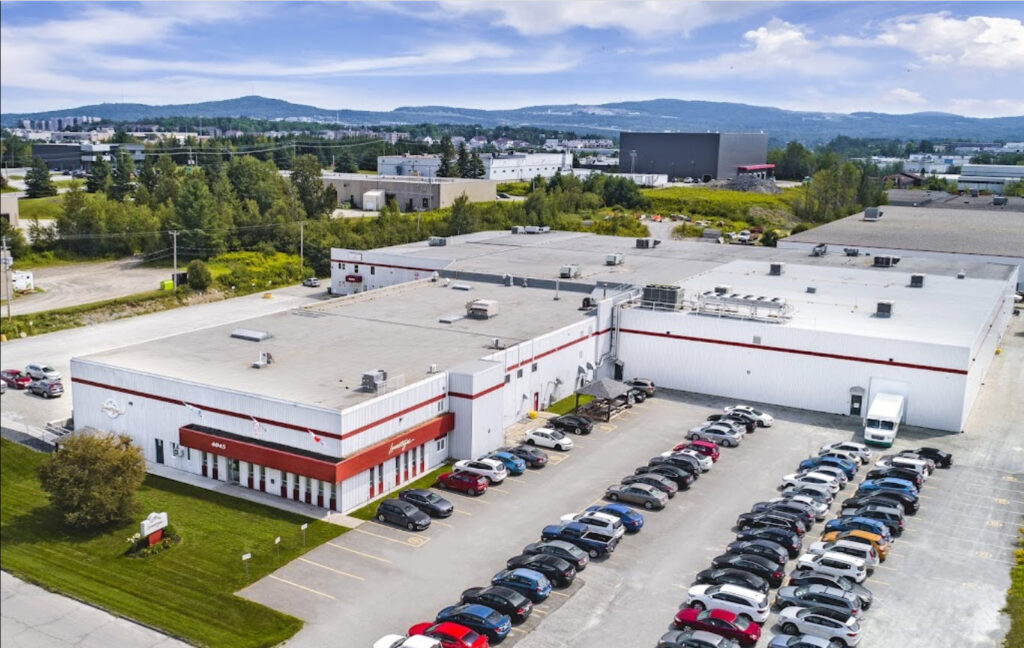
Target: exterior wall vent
961	274
812	289
776	269
917	281
884	309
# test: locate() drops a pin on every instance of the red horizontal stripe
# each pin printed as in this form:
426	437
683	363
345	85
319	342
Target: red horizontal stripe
549	352
817	354
382	265
389	417
478	394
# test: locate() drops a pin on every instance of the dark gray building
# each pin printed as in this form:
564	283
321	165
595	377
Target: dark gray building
69	157
709	156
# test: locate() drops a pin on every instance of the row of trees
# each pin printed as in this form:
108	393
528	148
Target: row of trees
459	165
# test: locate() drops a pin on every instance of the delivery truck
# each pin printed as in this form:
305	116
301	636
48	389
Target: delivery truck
883	419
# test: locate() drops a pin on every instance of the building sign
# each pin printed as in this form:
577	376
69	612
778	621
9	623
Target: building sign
153	523
399	446
111	408
218	445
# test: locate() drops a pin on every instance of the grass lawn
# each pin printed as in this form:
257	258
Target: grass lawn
47	208
568	403
8	189
60	184
85	314
1015	597
187	591
368	511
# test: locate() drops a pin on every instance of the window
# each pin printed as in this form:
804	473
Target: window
426	203
508	378
519	373
373	269
440	444
355	268
341	266
440	406
533	367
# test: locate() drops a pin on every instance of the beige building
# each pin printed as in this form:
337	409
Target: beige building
9	209
410	193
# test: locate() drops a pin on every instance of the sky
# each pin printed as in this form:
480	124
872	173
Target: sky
897	57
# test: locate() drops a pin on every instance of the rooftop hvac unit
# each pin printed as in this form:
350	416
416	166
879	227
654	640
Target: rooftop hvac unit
917	281
569	271
662	297
482	309
374	380
999	200
813	290
872	214
776	269
647	243
884	309
437	241
532	229
251	335
885	260
723	290
588	303
961	274
518	229
432	369
613	259
851	252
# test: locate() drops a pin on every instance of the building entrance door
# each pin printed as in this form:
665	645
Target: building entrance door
855	404
233	471
536	401
159	451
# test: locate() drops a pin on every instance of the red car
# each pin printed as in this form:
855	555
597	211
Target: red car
451	635
706	448
720	622
464	481
15	378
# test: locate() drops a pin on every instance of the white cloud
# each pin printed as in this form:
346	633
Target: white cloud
977	42
774	48
902	95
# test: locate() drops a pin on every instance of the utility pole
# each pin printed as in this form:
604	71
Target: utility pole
174	245
7	262
302	240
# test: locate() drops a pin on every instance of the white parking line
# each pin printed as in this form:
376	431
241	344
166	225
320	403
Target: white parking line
444	524
461	512
500	490
336	571
303	587
412	541
516	480
365	555
562	594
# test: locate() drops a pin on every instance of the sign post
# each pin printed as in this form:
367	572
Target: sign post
277	543
152	528
245	561
303	527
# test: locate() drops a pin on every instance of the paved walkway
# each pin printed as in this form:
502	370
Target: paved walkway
31	617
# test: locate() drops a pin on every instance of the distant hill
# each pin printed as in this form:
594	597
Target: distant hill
651	115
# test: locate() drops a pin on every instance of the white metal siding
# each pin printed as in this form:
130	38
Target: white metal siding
380	412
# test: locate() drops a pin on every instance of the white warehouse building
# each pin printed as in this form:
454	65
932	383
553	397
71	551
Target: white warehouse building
504	167
346	399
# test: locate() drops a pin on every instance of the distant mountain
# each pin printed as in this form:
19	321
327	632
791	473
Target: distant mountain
652	115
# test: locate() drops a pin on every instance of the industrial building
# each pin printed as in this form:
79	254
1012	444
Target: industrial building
953	233
701	156
69	157
504	167
989	177
430	350
410	193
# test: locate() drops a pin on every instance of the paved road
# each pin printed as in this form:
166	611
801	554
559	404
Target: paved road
82	283
31	617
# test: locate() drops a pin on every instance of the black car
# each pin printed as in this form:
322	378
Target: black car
766	568
732	576
790	540
787	507
770	550
859	501
748	422
941	458
560	549
503	599
560	572
810	577
533	456
428	501
660	482
402	514
681	476
684	461
754	520
638	395
896	473
572	423
909	503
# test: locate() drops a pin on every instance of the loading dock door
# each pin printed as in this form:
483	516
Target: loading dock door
855	404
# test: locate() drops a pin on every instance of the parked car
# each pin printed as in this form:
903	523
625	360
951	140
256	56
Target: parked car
402	641
941	458
681	476
887	484
451	635
910	503
835	472
786	538
887	515
737	419
845	455
767	569
706	448
47	388
636	395
767	518
766	548
861	451
895	473
818	596
703	463
922	467
493	470
534	457
746	604
463	482
549	438
811	577
721	622
503	599
802	478
872	540
609	525
716	432
642	494
646	384
3	387
311	282
848	523
631	520
513	464
818	492
40	371
732	576
764	419
560	572
848	467
428	501
572	423
816	507
15	378
860	550
479	618
695	639
821	622
836	564
659	482
531	584
403	514
594	543
799	641
561	549
787	507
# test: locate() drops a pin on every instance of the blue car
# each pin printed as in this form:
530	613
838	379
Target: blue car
848	467
479	618
531	584
858	523
887	484
631	520
512	463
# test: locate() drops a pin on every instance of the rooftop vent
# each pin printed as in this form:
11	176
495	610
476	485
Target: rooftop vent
461	287
776	269
662	297
437	241
917	281
885	260
872	214
518	229
961	274
251	335
884	309
723	290
999	200
374	380
482	309
812	289
647	243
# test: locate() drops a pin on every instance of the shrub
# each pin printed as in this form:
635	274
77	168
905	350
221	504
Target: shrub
199	276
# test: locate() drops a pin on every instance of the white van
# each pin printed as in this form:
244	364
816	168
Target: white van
883	420
917	465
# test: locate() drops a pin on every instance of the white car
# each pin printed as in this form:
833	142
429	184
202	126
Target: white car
401	641
801	620
603	523
834	564
715	432
858	449
836	473
764	419
812	478
819	507
40	371
860	550
923	467
703	461
492	469
844	454
732	598
548	438
817	492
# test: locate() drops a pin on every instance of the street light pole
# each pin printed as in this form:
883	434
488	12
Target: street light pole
174	246
302	240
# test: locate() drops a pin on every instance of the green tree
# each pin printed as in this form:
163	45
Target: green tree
15	151
795	162
199	276
307	178
99	176
123	184
770	238
196	212
345	163
447	168
93	477
148	175
38	180
463	217
462	163
476	166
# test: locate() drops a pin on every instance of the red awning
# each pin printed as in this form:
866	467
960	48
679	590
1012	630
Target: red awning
756	167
